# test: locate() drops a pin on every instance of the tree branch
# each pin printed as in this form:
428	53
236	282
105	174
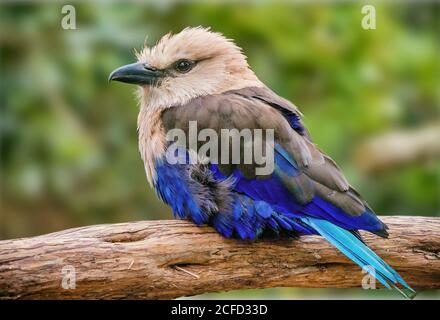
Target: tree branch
169	259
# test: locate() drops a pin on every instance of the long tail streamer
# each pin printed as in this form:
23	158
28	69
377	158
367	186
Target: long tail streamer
357	251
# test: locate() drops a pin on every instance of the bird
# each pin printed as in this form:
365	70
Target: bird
201	76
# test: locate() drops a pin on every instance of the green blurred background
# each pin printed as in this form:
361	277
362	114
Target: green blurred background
68	138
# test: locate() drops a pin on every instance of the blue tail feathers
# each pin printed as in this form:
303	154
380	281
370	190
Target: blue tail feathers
358	252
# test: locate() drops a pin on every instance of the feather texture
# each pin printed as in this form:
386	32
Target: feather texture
357	251
307	182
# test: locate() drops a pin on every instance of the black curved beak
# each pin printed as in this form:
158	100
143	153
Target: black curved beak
136	73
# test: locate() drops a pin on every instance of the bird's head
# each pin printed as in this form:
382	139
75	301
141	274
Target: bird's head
192	63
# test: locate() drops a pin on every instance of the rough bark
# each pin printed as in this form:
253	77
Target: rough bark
169	259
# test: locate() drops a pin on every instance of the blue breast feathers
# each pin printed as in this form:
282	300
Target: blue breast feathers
216	202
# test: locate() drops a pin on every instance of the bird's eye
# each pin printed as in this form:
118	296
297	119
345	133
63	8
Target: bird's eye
184	65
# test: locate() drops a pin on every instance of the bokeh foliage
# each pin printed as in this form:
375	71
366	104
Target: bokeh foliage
68	137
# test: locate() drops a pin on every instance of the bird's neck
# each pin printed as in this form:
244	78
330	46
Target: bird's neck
166	96
151	139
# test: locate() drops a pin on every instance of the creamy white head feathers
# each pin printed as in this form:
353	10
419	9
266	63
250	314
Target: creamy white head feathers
218	66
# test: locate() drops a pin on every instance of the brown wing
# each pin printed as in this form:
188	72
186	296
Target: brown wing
317	174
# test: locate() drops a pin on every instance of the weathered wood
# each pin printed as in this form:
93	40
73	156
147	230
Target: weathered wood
169	259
